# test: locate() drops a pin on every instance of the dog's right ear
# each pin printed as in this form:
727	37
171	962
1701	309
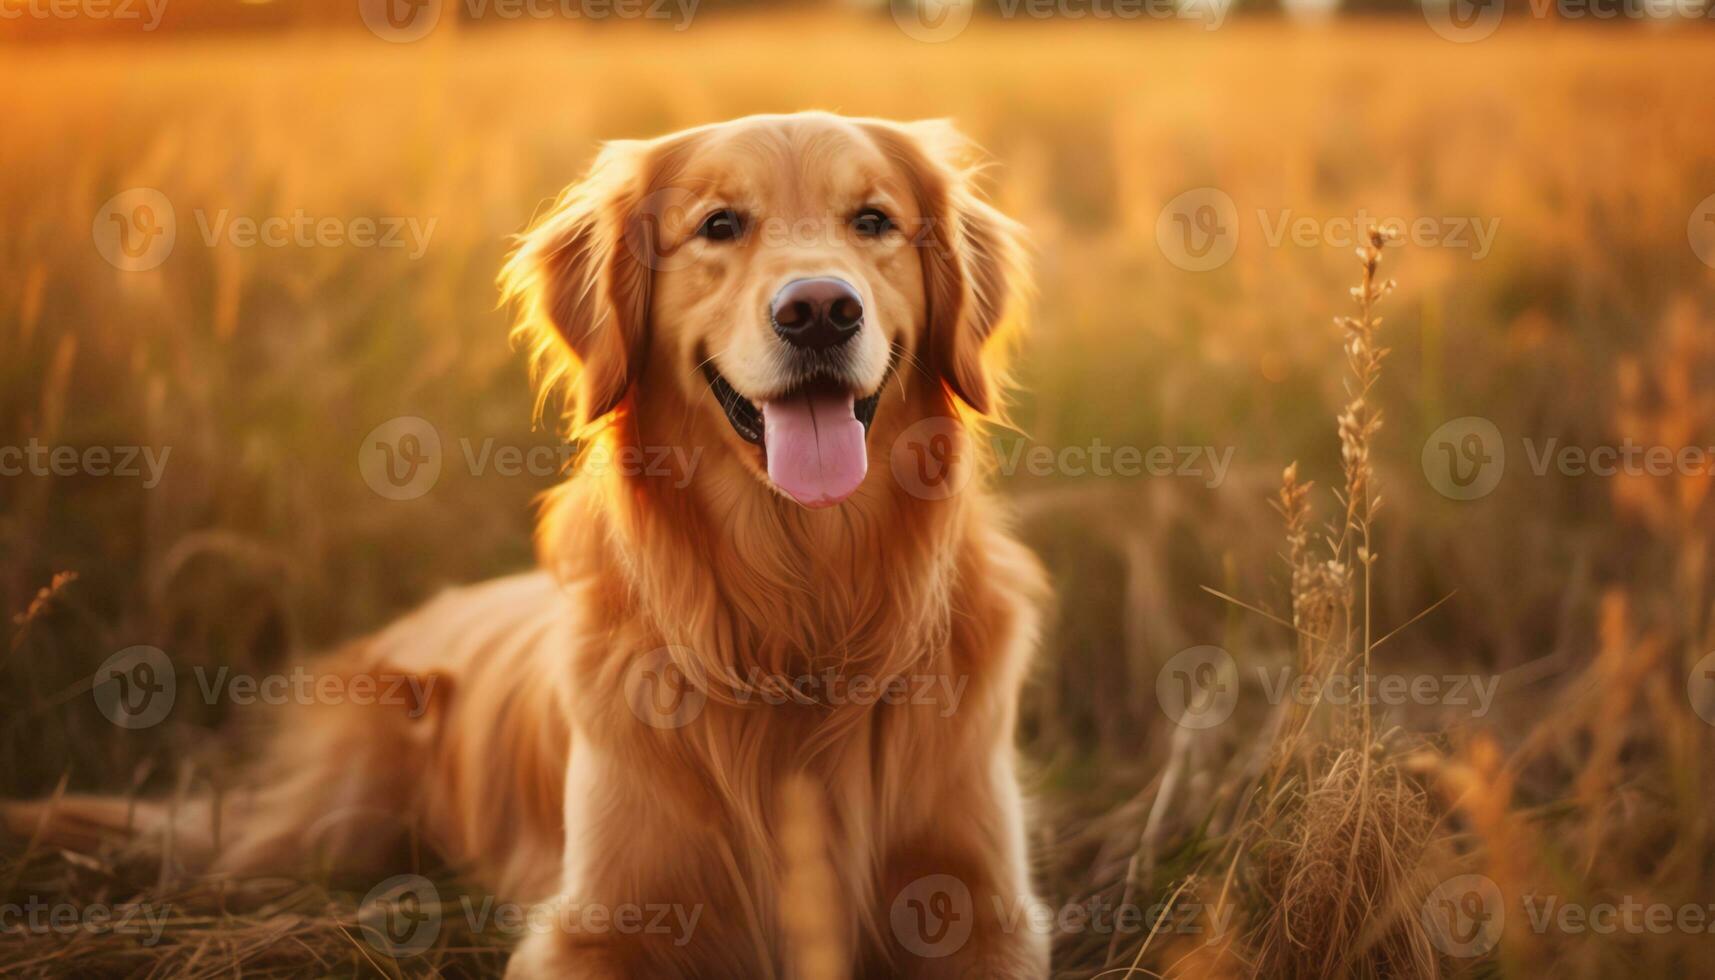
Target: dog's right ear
581	279
974	267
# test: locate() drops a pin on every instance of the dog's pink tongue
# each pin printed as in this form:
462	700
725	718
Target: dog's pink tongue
815	447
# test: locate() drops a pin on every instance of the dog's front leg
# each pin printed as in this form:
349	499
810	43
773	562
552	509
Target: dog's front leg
553	954
948	921
639	889
958	901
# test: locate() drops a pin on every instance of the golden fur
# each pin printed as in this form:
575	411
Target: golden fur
532	767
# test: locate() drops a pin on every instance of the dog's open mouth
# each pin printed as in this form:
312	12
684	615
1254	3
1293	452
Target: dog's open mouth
812	436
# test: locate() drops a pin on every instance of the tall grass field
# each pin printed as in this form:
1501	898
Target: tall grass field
1438	700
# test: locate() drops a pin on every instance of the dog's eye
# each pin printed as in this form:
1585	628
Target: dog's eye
871	223
721	226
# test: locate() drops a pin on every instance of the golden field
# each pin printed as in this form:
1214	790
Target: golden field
1584	602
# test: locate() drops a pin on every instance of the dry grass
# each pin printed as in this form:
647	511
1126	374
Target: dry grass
1342	830
1314	834
156	924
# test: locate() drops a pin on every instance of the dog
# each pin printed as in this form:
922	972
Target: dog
818	308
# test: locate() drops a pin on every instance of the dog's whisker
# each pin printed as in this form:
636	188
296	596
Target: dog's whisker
913	361
705	362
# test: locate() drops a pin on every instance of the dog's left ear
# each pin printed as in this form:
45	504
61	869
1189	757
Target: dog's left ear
974	267
581	276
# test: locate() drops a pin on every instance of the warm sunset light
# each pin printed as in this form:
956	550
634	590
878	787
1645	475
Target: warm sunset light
952	489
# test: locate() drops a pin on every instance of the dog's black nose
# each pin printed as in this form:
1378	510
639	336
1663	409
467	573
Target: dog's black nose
817	314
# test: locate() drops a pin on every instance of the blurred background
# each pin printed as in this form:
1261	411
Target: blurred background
1195	179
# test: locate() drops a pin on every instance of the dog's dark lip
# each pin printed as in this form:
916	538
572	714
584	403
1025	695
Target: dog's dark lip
746	418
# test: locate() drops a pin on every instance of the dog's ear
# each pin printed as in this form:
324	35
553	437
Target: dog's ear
974	266
581	277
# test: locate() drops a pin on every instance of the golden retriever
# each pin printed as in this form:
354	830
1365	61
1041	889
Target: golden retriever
811	305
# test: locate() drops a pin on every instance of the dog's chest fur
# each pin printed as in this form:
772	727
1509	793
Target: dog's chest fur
896	705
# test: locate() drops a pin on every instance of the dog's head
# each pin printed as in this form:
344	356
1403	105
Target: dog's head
764	283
